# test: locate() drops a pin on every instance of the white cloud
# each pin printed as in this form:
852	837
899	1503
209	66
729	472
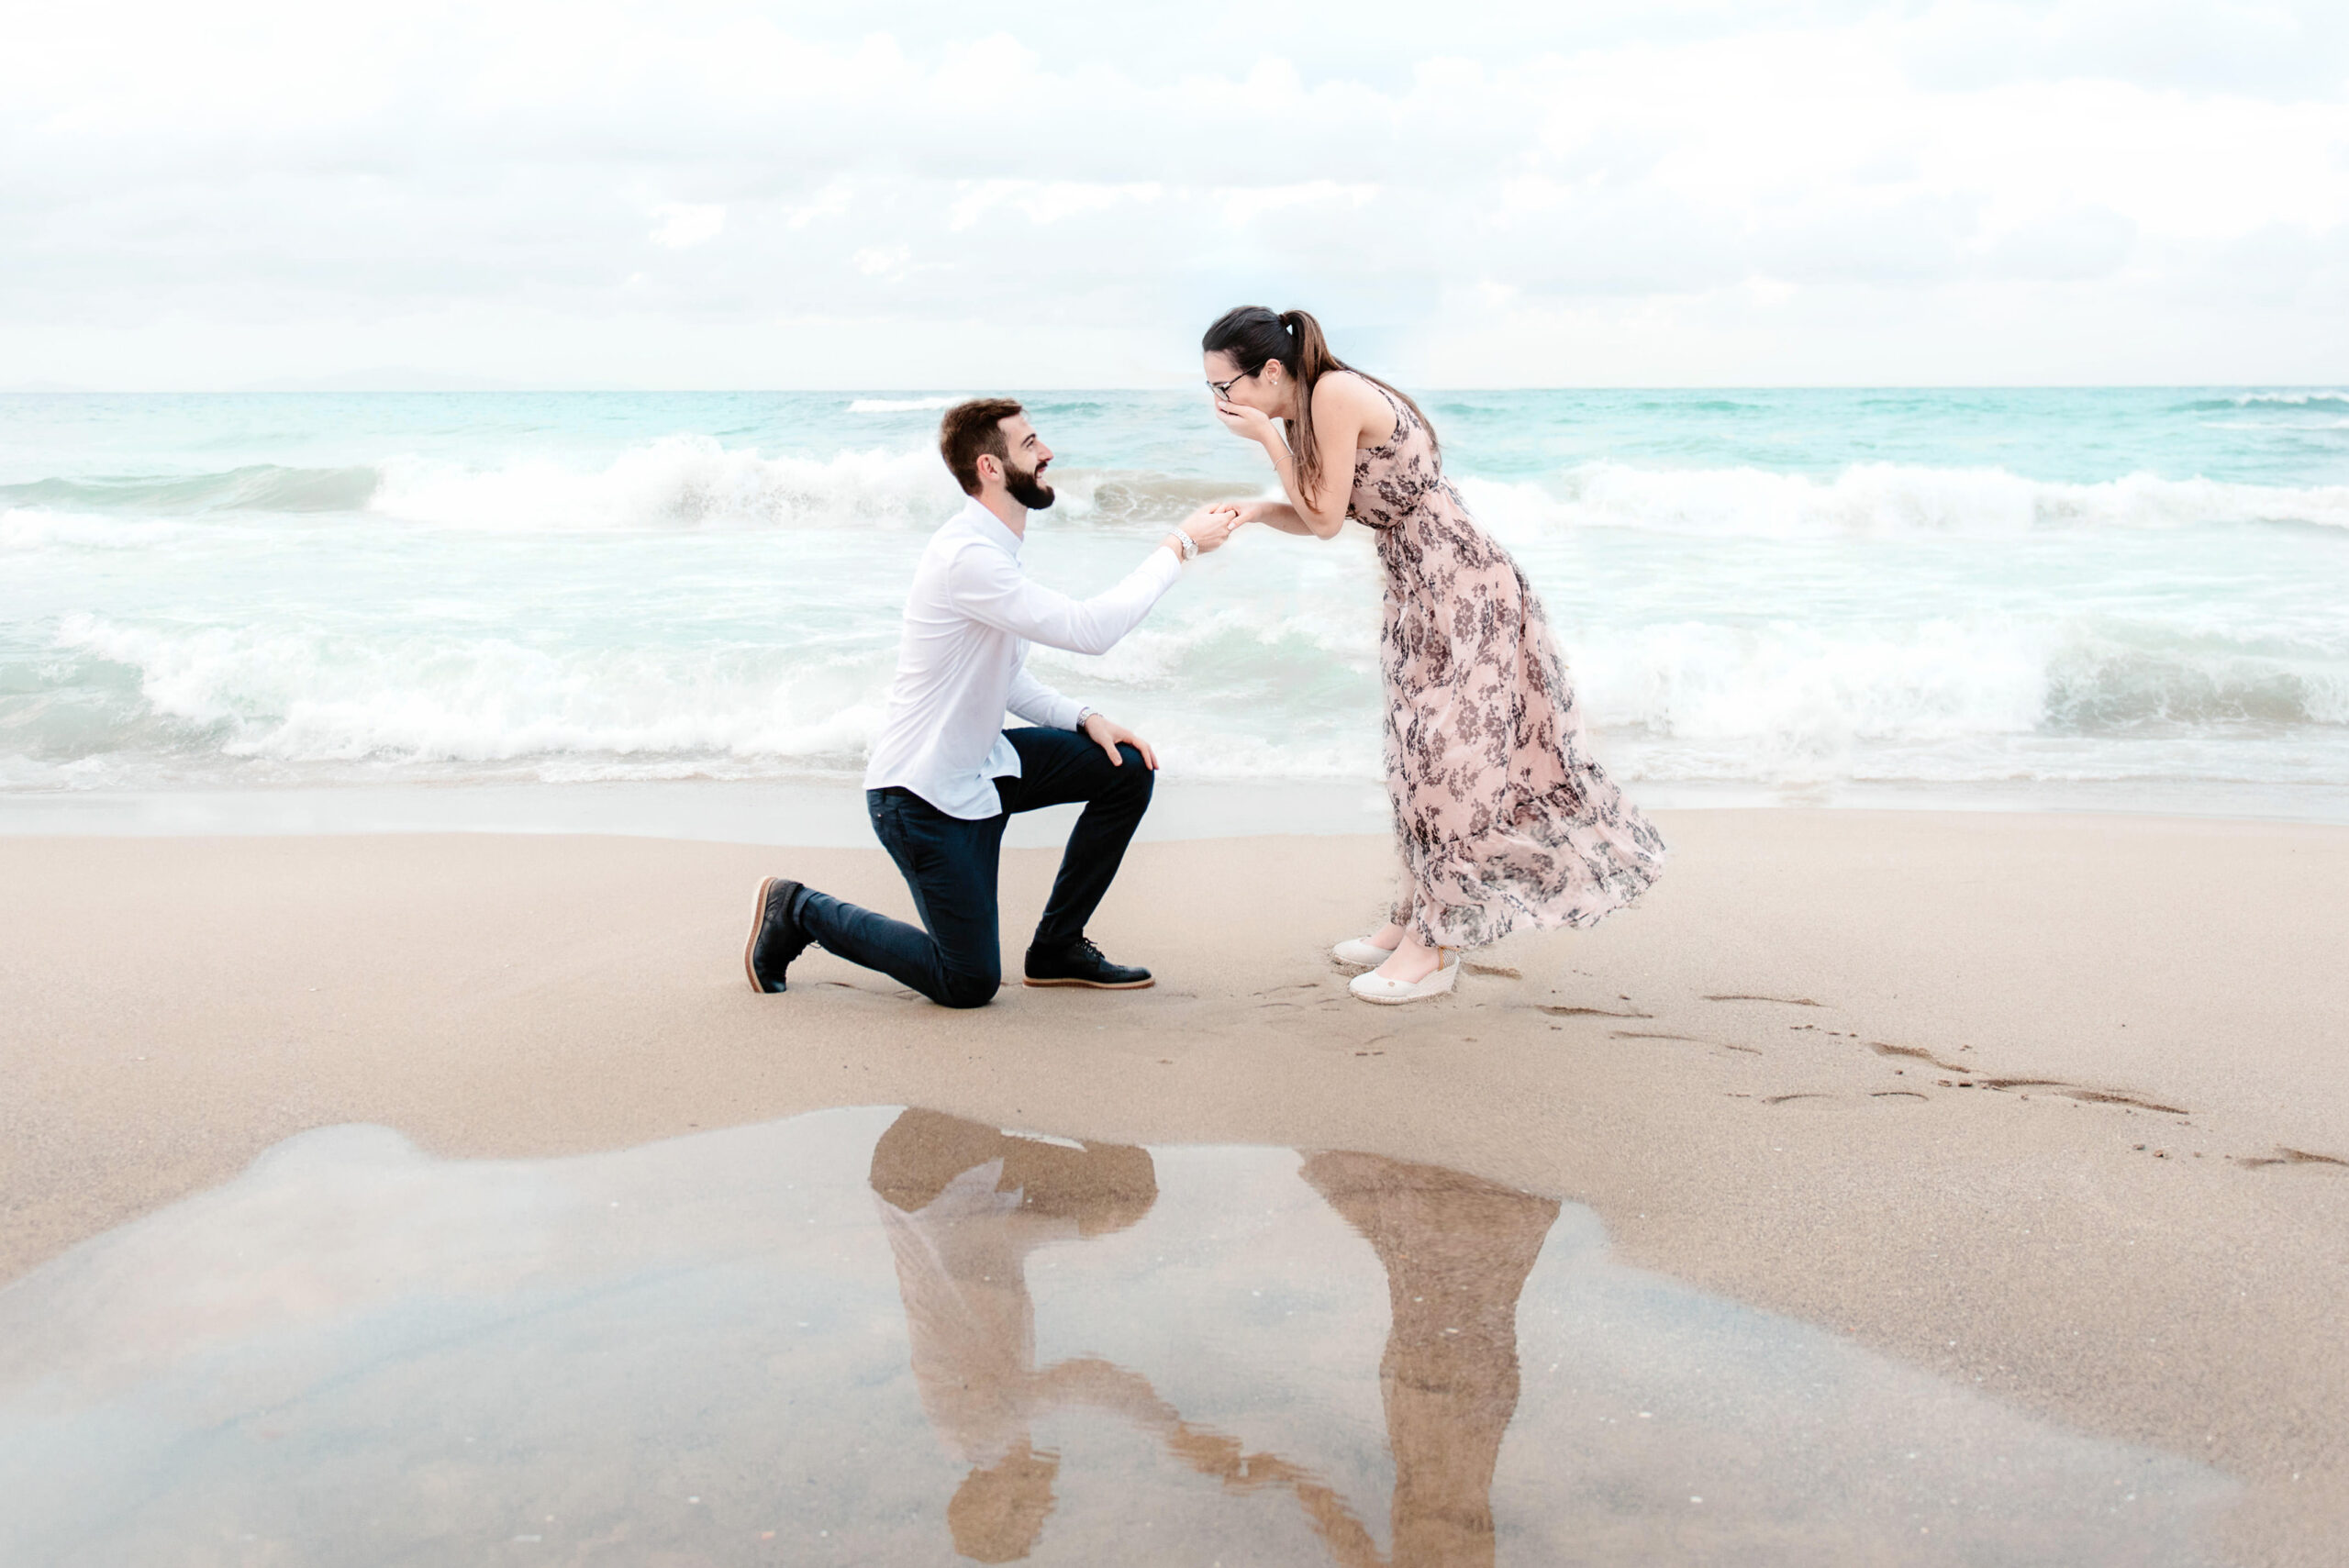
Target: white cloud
2083	190
684	226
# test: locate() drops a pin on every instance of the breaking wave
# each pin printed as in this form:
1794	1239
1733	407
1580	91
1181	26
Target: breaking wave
1236	689
260	487
678	482
694	482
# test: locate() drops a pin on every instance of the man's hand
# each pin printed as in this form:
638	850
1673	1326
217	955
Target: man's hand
1208	526
1109	735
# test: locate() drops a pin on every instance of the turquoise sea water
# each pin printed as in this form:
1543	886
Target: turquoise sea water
2119	596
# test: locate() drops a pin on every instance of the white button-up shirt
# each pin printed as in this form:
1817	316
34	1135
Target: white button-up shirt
962	663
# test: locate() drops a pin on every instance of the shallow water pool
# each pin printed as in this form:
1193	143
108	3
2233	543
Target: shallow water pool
884	1336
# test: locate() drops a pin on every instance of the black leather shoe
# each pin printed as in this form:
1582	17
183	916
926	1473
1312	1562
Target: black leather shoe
775	938
1081	964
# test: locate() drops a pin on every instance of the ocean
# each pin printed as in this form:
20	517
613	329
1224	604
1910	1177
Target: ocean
2130	599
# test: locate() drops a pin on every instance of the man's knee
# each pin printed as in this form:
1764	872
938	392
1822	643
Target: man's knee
1135	779
970	988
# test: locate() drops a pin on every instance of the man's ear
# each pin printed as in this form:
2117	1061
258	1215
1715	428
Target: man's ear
990	467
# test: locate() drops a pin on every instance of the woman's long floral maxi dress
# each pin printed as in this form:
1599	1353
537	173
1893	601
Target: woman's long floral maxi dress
1503	817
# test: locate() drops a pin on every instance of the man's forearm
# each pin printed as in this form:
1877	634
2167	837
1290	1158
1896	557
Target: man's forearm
1039	704
1087	626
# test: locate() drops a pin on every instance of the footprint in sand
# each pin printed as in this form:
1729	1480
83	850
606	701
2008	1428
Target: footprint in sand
1690	1039
1557	1012
2284	1156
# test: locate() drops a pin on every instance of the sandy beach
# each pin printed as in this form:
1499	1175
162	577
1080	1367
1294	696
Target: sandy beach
2055	1106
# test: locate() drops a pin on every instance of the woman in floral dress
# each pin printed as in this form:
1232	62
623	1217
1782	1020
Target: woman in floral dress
1502	815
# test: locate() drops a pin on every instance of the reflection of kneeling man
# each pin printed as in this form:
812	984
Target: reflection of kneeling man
964	1206
946	777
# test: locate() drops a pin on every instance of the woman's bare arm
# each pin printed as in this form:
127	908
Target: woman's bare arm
1272	513
1343	408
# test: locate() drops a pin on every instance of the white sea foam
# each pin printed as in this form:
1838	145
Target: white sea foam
1802	693
1886	500
2295	398
899	405
1235	641
677	482
308	695
1241	689
37	528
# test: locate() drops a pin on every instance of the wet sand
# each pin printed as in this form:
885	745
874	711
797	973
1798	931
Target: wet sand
2053	1107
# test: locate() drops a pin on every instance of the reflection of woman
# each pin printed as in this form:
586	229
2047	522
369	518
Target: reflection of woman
1457	1250
1503	817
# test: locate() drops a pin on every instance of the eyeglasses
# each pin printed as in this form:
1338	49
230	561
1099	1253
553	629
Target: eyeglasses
1222	389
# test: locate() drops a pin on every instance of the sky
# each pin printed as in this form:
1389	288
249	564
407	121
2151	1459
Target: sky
699	193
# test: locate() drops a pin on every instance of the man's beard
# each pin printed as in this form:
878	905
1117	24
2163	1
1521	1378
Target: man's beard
1029	489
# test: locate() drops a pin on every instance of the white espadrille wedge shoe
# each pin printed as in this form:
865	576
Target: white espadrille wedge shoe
1376	987
1361	953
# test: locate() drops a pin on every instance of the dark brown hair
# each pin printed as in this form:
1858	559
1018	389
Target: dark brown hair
1103	1186
974	430
1255	336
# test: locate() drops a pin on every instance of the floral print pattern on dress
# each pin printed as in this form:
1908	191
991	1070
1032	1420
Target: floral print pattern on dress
1503	817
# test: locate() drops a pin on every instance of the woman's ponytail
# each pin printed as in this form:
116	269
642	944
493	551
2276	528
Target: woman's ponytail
1314	359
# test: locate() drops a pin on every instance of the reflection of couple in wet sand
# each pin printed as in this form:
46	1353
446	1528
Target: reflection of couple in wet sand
1503	818
965	1204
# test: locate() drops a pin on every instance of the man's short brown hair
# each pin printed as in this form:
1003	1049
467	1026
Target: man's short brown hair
971	430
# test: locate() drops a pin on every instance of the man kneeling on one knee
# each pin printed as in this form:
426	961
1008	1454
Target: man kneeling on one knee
946	775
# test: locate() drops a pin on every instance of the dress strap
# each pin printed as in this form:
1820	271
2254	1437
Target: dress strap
1395	405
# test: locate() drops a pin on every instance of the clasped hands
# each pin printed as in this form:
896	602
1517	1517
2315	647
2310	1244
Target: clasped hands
1207	527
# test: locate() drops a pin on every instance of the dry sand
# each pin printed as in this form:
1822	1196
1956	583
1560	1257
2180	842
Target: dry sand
2056	1105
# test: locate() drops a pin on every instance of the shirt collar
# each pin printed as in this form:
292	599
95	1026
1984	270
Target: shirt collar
989	527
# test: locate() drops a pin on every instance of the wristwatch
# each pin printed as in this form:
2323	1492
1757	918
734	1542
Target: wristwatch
1190	546
1082	714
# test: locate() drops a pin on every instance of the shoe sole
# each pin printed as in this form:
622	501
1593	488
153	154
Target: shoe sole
1396	1001
758	922
1097	985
